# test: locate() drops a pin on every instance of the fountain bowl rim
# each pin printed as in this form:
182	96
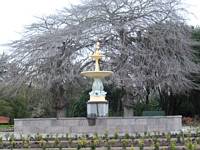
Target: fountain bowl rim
96	74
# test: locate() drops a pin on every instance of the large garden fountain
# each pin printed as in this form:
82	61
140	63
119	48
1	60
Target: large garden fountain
97	106
97	111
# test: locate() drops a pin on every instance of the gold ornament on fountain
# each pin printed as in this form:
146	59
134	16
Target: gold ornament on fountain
97	56
96	73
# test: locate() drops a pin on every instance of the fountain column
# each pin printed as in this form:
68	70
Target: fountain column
97	106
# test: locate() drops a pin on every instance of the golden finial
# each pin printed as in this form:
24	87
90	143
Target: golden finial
97	56
97	46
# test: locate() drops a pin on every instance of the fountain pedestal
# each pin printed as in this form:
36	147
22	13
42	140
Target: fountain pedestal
97	106
97	109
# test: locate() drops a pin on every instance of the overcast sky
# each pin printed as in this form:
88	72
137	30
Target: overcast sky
15	14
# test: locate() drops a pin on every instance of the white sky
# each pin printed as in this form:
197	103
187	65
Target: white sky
15	14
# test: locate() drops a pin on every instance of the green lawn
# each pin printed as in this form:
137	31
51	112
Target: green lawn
5	126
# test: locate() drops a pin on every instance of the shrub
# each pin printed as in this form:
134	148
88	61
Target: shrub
96	136
82	142
190	145
116	134
56	142
179	138
127	136
124	143
12	141
38	137
93	145
132	148
153	105
141	144
168	137
42	144
26	144
105	136
1	142
172	145
156	146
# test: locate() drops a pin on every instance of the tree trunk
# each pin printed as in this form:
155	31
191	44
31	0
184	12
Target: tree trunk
60	107
162	101
59	100
147	95
60	113
128	111
172	104
61	103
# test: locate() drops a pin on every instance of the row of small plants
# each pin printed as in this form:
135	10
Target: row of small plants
156	141
6	128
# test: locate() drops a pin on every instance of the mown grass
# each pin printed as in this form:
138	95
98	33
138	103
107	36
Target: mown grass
6	126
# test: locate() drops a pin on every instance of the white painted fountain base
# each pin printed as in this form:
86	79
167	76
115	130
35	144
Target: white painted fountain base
110	124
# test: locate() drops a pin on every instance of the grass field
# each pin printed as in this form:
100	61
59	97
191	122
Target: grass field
6	126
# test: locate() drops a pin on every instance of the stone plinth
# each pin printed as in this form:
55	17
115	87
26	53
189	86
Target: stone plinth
99	109
111	124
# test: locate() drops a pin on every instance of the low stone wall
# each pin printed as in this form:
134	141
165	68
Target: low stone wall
111	124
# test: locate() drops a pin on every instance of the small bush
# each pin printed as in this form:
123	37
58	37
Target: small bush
172	145
141	144
116	134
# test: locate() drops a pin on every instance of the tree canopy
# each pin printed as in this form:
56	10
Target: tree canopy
146	44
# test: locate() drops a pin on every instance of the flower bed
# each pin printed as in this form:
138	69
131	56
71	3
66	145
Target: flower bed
146	141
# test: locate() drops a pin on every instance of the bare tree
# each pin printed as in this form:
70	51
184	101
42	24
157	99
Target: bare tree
145	42
162	60
3	66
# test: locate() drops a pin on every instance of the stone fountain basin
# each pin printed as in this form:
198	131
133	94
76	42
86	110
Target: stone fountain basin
77	126
96	74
